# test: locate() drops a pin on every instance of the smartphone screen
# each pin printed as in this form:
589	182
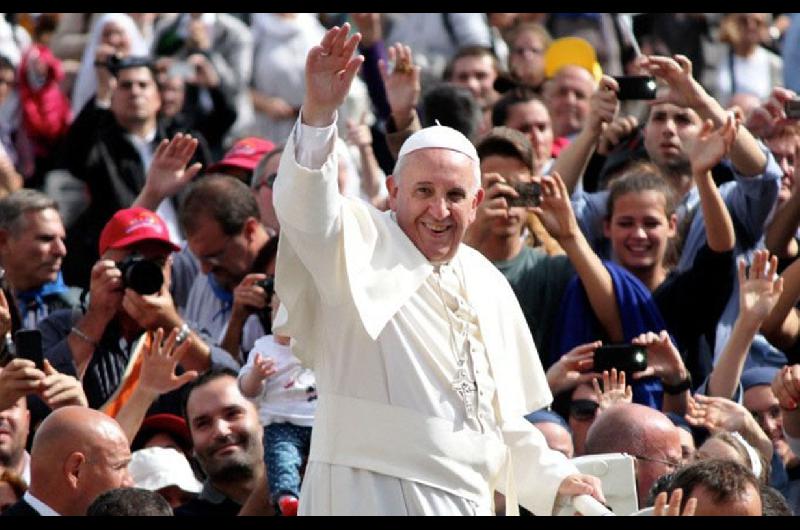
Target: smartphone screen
28	343
627	358
636	87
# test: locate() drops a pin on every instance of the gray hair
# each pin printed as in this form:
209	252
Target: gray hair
14	206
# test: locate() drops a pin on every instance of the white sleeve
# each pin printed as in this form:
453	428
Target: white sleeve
313	145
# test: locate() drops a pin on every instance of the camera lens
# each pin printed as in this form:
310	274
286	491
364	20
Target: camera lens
141	275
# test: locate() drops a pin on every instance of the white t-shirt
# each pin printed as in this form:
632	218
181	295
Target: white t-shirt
289	395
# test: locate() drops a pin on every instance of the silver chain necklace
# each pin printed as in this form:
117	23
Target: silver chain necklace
463	385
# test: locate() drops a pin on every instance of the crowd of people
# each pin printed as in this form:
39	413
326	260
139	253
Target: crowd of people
366	263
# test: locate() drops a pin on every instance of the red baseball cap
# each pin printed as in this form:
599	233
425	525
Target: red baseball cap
245	154
164	422
132	225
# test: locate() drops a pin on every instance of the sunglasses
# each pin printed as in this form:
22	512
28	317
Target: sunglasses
583	409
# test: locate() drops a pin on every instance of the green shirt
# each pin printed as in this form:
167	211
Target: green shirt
539	281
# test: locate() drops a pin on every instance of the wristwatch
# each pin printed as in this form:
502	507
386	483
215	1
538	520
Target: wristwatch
183	334
680	387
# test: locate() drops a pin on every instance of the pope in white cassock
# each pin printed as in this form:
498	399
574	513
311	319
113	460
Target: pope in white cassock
425	366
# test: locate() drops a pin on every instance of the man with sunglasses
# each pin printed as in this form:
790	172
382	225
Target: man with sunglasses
99	346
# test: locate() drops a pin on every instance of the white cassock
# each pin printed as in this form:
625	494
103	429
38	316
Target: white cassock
387	334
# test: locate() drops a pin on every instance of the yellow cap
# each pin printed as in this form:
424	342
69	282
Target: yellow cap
568	51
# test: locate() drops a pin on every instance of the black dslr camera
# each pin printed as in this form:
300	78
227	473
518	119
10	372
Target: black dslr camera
265	315
141	274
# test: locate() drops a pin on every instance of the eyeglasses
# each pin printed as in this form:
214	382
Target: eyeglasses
583	409
669	463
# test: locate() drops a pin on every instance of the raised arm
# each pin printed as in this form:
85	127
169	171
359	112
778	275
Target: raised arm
707	150
782	326
604	106
168	173
758	294
557	216
330	70
685	91
403	90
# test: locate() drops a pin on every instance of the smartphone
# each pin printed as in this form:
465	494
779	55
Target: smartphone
792	109
28	343
628	358
530	194
181	69
636	87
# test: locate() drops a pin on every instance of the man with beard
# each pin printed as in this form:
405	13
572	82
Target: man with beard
31	251
226	435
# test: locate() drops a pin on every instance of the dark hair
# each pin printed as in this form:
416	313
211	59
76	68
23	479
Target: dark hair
454	106
726	480
519	94
638	178
504	141
214	373
6	64
129	501
471	51
773	502
223	198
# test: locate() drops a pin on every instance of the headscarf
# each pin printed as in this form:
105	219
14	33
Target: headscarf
86	81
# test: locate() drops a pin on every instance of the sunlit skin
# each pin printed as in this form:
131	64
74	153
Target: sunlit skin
557	437
477	74
513	170
228	258
14	426
668	133
532	118
33	254
785	149
435	199
567	96
640	230
526	58
114	35
762	403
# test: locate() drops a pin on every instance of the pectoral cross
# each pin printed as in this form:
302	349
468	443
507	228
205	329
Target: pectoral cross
465	388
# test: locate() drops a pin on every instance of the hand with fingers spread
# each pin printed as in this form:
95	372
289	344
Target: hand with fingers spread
168	173
555	210
493	207
18	378
603	105
662	507
711	146
663	358
61	390
159	363
716	413
573	368
330	70
786	387
684	90
614	390
402	84
760	290
615	132
252	382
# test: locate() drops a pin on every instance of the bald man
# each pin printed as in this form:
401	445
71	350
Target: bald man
642	432
77	454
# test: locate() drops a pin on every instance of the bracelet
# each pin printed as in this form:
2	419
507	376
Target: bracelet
183	334
680	387
83	336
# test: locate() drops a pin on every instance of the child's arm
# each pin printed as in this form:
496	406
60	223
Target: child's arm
251	382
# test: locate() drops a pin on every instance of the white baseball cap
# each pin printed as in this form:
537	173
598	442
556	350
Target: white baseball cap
154	468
